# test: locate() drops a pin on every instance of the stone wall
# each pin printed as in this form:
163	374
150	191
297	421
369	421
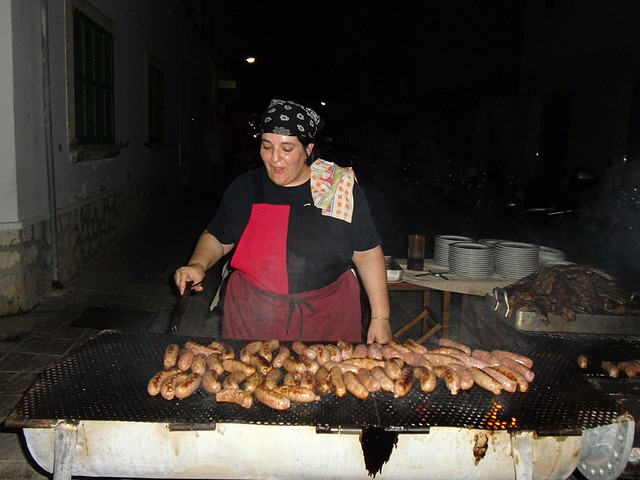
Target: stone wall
83	234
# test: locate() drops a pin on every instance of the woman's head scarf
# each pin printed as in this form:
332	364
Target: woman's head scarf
288	118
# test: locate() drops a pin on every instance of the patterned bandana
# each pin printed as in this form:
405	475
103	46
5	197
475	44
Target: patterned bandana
332	189
292	119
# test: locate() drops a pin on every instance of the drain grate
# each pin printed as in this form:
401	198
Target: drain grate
110	318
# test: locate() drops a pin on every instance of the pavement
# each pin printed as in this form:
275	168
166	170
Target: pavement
135	275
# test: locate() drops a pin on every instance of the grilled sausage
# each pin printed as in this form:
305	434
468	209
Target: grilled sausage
445	342
367	363
386	383
416	360
171	355
233	380
268	348
366	378
196	347
528	375
526	361
344	366
249	350
346	349
210	382
360	351
155	384
260	363
322	380
583	362
415	346
168	389
611	368
252	382
469	361
466	379
440	359
320	353
334	353
393	368
388	352
272	378
354	386
214	362
399	347
225	351
426	378
521	382
450	376
230	365
189	386
297	394
237	396
628	368
283	353
271	398
446	351
336	382
185	358
298	347
308	379
311	365
403	385
199	363
485	381
507	383
487	357
293	365
374	351
290	379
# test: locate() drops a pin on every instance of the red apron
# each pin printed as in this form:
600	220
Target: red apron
257	303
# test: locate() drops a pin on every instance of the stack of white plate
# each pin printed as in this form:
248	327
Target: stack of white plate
551	256
515	259
441	247
470	259
490	241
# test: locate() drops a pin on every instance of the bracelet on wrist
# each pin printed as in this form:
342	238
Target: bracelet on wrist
379	318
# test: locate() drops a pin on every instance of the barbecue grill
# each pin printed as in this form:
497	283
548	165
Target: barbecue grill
90	415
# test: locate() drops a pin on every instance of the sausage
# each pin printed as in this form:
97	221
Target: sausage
168	389
366	378
386	383
344	366
312	365
235	395
297	394
485	381
346	349
360	351
611	368
521	382
374	351
628	368
260	363
298	347
189	386
268	348
272	378
416	360
210	382
354	386
388	352
583	362
283	353
367	363
185	358
271	398
230	365
446	342
518	367
225	351
507	383
293	365
233	380
468	361
447	351
249	350
252	382
334	353
403	385
290	379
393	369
322	380
426	378
171	355
199	363
320	353
526	361
450	376
399	347
336	382
308	379
466	379
155	384
441	359
196	347
214	363
415	346
487	357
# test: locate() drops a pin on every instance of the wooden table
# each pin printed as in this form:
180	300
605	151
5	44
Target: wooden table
427	284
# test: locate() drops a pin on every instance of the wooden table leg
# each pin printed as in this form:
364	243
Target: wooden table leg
446	313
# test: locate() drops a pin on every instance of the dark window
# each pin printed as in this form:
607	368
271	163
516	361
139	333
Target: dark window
93	81
155	104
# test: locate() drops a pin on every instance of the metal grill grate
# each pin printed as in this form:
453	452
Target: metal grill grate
106	378
110	318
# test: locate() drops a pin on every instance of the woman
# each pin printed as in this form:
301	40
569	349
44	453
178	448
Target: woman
296	226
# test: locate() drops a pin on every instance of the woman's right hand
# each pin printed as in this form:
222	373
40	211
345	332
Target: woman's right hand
190	273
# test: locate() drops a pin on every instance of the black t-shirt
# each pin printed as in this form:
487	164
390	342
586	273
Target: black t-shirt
319	248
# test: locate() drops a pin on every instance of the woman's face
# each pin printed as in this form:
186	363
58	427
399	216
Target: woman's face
284	158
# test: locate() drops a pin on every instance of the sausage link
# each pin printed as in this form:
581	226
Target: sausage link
386	383
283	353
230	365
298	347
271	398
388	352
486	381
415	346
233	380
403	385
199	363
290	379
336	382
237	396
393	369
374	351
487	357
367	363
185	358
446	342
297	394
528	375
189	386
469	361
321	352
272	378
171	355
155	384
168	389
268	348
249	350
583	362
526	361
416	360
366	378
360	351
521	382
466	379
426	378
441	359
334	353
354	386
346	349
399	347
252	382
225	351
308	379
344	366
322	380
196	347
312	365
293	365
611	368
628	368
446	351
210	382
450	376
260	363
508	384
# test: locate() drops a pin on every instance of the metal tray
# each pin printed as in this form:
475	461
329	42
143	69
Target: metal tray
394	270
596	324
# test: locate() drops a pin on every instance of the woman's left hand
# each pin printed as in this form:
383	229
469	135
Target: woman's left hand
379	331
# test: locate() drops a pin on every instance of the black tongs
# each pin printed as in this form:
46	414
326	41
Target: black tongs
433	274
180	309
